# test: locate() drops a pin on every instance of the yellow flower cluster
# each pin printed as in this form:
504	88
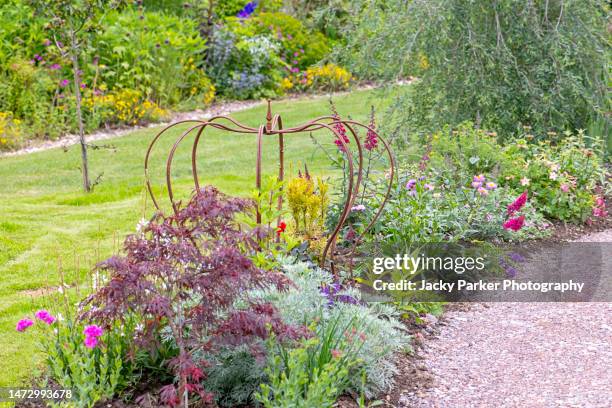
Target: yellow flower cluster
329	77
10	131
125	106
308	200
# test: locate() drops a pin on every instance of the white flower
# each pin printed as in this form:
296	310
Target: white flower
553	175
525	181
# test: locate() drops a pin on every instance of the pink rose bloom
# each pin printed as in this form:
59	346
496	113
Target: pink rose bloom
23	324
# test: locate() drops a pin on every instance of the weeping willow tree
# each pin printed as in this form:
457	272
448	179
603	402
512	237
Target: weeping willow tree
504	63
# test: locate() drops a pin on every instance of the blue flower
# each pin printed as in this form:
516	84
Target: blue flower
247	10
332	293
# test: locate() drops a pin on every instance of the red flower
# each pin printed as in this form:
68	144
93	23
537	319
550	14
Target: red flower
518	203
515	224
281	228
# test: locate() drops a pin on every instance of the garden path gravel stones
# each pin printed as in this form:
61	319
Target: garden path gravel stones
527	355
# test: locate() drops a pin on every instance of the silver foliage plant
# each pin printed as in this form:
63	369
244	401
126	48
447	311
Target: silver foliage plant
385	335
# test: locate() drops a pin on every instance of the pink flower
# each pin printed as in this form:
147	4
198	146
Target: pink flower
479	178
44	316
564	187
428	186
482	191
518	203
359	207
476	184
410	184
64	82
514	224
491	185
23	324
336	353
55	67
93	331
83	86
91	342
599	209
295	54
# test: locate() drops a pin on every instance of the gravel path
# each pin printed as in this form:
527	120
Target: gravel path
521	355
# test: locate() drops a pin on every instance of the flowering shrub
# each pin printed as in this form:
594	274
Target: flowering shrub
93	363
123	107
190	274
329	77
10	131
562	177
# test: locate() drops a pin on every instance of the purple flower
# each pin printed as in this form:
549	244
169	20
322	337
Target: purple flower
47	42
60	44
83	86
248	9
295	70
359	207
411	183
44	316
332	293
428	186
516	257
476	184
491	186
93	331
289	37
38	57
479	178
23	324
64	82
295	54
55	67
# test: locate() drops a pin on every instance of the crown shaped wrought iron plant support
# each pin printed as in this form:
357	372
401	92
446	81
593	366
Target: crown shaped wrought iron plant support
273	127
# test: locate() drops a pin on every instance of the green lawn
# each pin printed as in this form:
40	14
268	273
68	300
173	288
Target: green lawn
46	221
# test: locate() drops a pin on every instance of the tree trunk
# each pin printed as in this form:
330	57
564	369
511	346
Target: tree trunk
74	55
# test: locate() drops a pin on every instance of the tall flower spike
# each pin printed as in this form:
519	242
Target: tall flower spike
371	141
339	128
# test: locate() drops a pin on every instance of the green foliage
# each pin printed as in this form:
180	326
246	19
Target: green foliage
315	373
502	64
156	54
234	376
383	337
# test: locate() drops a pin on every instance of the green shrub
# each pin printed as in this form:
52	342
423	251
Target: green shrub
158	55
503	64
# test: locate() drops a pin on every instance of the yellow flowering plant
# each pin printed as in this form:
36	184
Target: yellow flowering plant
125	106
10	131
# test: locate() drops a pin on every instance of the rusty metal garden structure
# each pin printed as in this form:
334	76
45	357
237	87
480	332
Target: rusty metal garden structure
274	127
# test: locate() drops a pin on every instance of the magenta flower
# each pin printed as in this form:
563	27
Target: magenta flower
476	184
91	342
514	224
289	37
83	86
491	186
23	324
371	140
295	54
518	203
45	316
479	178
564	187
93	331
64	82
47	42
341	135
55	67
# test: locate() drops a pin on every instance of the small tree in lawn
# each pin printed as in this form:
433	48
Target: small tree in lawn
71	22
